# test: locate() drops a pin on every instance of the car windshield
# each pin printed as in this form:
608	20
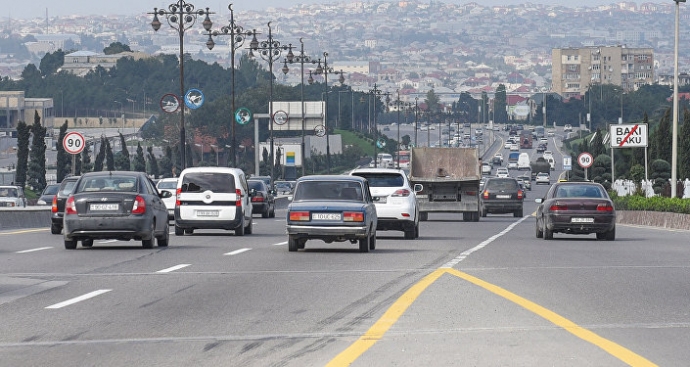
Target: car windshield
6	192
257	185
169	185
108	183
502	184
208	181
579	191
51	190
382	179
328	190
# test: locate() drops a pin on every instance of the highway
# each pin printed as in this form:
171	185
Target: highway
463	294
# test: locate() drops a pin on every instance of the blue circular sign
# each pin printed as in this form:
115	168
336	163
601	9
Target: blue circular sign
243	115
194	99
381	143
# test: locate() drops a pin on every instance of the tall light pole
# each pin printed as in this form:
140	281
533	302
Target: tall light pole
181	16
269	50
674	144
237	36
325	70
376	92
122	115
301	58
416	119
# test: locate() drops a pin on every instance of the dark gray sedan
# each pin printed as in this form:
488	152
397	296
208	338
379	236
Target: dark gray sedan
115	205
333	209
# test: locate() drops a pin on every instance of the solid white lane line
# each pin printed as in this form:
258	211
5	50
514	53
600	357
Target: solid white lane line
237	252
173	268
33	250
79	299
280	244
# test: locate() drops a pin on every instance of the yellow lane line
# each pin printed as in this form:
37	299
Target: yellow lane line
390	317
23	231
612	348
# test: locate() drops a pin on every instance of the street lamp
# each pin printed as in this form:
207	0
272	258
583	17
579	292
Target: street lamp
181	16
202	150
237	36
325	70
376	92
674	144
301	58
269	50
215	147
123	115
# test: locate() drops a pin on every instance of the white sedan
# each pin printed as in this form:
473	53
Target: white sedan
542	178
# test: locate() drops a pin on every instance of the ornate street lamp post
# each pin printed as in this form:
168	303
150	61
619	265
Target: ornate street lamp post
269	50
301	58
237	36
325	70
181	16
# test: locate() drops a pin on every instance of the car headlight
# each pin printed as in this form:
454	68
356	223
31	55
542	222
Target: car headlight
41	202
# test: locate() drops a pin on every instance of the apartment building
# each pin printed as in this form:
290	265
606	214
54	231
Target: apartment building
575	69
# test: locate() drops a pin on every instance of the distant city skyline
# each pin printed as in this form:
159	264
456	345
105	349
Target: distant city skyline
38	8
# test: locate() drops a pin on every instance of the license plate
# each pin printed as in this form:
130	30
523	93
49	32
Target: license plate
380	199
207	213
104	207
502	196
582	220
325	216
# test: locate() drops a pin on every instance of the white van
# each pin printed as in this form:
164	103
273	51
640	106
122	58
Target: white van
523	162
213	198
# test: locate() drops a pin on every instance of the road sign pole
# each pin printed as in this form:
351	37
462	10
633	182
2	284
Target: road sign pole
74	164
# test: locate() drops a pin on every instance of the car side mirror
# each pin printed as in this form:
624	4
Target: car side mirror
252	192
418	188
538	201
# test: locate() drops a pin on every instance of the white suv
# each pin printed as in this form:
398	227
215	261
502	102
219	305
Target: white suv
395	200
213	198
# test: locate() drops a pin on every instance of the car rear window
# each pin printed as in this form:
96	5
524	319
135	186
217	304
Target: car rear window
108	183
208	181
382	179
256	185
328	190
502	184
51	189
169	185
579	191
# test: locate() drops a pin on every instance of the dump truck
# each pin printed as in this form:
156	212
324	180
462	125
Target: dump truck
446	180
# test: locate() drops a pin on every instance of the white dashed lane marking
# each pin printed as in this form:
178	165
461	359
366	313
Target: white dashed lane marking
236	252
173	268
33	250
79	299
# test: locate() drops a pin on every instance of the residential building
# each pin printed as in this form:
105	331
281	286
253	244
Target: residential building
575	69
14	107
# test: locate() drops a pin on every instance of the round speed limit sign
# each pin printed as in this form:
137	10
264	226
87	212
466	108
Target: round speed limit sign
585	160
73	143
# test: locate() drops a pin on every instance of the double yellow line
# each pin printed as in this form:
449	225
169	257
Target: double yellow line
391	316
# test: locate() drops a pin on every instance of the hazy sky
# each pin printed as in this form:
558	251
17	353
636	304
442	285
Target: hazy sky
24	9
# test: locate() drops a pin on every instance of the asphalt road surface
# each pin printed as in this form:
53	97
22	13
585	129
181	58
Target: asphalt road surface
463	294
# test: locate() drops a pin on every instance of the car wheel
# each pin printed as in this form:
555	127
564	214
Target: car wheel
364	244
179	231
548	234
416	230
292	243
301	243
148	243
423	216
239	231
539	232
273	211
87	243
70	244
483	213
163	240
250	228
55	228
475	217
265	213
410	233
611	235
372	241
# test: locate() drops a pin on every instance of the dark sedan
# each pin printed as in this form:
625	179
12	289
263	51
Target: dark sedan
332	208
58	207
576	208
115	205
263	199
501	195
46	197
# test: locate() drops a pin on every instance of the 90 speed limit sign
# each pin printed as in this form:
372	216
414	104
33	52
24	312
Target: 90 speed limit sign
585	160
73	143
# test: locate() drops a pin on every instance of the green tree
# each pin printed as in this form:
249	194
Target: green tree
86	165
51	62
152	166
139	159
23	137
122	161
166	164
36	171
109	158
597	145
664	137
500	105
684	147
64	161
116	48
100	157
